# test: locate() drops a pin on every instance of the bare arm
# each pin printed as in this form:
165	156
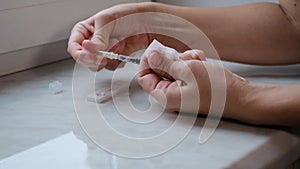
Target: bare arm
270	104
260	33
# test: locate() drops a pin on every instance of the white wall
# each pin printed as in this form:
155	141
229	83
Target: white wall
211	3
34	32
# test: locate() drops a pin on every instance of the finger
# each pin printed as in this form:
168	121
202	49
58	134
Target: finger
99	40
194	54
92	47
163	85
104	25
149	81
165	67
146	77
74	49
80	32
91	60
109	64
168	94
144	67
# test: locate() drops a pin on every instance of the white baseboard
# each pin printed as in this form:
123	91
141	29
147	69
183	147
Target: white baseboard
31	57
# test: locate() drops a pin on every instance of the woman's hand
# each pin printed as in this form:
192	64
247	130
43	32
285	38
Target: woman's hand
247	102
103	32
188	76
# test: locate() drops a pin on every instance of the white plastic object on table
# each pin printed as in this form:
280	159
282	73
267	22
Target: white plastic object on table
106	93
55	87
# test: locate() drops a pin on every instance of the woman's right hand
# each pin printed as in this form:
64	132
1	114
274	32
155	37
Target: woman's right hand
104	31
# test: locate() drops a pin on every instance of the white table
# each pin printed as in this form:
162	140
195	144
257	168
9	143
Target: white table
31	115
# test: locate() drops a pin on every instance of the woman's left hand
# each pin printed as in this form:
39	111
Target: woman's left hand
168	80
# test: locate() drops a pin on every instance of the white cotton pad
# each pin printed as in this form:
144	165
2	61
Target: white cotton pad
158	47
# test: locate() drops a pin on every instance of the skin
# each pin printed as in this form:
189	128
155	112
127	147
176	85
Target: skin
259	33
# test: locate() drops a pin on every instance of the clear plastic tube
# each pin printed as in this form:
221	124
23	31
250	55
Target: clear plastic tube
154	46
123	58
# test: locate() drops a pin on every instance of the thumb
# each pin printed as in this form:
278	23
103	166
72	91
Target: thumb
99	41
100	38
166	67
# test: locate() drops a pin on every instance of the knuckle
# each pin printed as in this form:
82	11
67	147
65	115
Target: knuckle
105	16
100	37
193	70
79	25
195	54
198	51
97	36
193	66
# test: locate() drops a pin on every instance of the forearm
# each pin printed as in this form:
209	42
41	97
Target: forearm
256	33
270	105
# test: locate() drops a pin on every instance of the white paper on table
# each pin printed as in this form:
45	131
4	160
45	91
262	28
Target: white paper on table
60	153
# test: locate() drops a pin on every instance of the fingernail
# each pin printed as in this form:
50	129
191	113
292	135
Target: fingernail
155	59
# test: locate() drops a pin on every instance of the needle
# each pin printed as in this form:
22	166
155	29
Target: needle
123	58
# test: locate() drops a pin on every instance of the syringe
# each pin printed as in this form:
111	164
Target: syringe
123	58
